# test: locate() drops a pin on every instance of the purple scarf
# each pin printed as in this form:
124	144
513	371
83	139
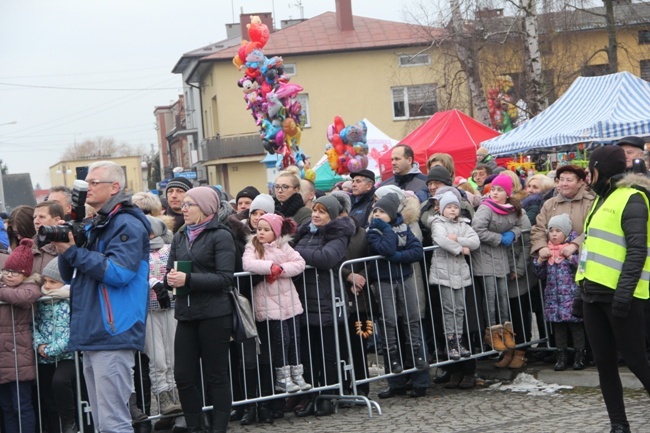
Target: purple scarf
501	209
194	230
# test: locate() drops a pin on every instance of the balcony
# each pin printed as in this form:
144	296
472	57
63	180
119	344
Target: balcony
231	147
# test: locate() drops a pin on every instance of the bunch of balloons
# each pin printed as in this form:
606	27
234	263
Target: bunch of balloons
347	149
270	96
502	106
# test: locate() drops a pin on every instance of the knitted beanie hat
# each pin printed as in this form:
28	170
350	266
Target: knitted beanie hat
561	222
390	189
52	271
250	192
440	174
206	197
344	200
179	182
263	202
331	204
21	258
448	198
504	182
389	204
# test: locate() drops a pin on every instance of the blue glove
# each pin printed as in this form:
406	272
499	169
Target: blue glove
396	257
507	238
379	224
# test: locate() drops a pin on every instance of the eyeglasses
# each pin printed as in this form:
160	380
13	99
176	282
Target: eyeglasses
10	272
188	205
282	187
95	183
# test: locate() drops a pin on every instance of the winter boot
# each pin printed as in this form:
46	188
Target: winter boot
494	339
69	427
220	421
560	360
136	414
296	375
283	382
395	365
509	335
519	360
167	404
506	359
579	360
452	349
464	352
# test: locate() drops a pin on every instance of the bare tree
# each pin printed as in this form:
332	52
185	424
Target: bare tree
101	147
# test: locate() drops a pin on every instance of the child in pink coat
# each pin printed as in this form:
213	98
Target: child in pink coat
275	299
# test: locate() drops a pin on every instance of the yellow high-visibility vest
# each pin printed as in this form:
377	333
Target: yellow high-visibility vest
605	244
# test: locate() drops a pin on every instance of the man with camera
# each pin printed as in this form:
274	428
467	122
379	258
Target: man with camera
107	265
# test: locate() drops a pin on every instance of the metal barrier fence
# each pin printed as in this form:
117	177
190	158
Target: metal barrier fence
392	324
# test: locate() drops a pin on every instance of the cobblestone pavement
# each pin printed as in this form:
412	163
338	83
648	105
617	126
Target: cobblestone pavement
580	410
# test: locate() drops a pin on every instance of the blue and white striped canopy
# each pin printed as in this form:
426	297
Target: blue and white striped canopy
604	108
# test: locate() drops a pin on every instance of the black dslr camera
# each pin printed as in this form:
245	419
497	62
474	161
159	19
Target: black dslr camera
59	233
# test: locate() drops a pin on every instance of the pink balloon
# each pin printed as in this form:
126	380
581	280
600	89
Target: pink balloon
364	161
354	165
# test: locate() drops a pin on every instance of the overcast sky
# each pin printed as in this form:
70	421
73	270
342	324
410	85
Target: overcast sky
109	45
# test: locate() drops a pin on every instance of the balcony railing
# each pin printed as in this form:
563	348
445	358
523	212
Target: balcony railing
231	147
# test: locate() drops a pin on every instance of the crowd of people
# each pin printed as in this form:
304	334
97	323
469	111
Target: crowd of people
145	299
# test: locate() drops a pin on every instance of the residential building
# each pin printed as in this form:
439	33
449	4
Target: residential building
66	172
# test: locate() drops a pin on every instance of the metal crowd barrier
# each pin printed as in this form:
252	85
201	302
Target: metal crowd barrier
341	357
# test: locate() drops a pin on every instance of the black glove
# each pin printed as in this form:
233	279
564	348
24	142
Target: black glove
162	294
576	308
620	308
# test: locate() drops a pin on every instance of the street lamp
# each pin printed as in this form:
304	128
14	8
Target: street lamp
64	170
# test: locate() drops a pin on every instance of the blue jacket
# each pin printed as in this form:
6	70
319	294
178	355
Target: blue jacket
110	291
398	244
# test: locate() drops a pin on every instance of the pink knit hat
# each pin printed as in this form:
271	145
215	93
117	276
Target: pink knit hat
504	182
280	226
207	199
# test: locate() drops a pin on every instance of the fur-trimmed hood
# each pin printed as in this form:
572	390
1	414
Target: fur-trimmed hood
410	209
634	180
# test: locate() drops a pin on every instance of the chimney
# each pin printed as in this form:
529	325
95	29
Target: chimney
344	15
266	17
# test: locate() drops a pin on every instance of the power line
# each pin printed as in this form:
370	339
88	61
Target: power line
88	88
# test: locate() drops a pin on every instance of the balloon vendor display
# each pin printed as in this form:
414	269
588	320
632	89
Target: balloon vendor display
271	98
347	150
502	107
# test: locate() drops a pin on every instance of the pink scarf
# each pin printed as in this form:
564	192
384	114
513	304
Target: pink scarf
556	253
501	209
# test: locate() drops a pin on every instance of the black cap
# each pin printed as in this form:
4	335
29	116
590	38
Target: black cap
250	192
632	141
440	174
365	173
608	160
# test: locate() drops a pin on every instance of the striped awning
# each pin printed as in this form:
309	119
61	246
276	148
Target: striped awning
601	109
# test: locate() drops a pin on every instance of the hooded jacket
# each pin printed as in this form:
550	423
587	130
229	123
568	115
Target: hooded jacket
52	326
325	250
278	300
394	238
414	181
448	265
19	299
109	293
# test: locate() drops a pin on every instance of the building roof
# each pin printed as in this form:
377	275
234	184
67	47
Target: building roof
321	34
187	58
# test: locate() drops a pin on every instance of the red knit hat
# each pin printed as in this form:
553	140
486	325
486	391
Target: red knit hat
21	258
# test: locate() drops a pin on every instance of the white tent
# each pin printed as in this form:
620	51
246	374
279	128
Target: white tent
604	108
378	143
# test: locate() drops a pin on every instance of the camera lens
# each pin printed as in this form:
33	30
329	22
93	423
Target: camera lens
54	233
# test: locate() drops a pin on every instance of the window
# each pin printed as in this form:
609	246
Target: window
303	98
414	101
289	69
644	36
414	60
595	70
645	69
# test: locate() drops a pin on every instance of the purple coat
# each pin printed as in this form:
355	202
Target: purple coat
560	287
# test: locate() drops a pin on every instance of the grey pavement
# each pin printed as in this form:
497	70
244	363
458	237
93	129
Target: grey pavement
579	410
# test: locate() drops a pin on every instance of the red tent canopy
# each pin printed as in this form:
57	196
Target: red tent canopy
451	132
